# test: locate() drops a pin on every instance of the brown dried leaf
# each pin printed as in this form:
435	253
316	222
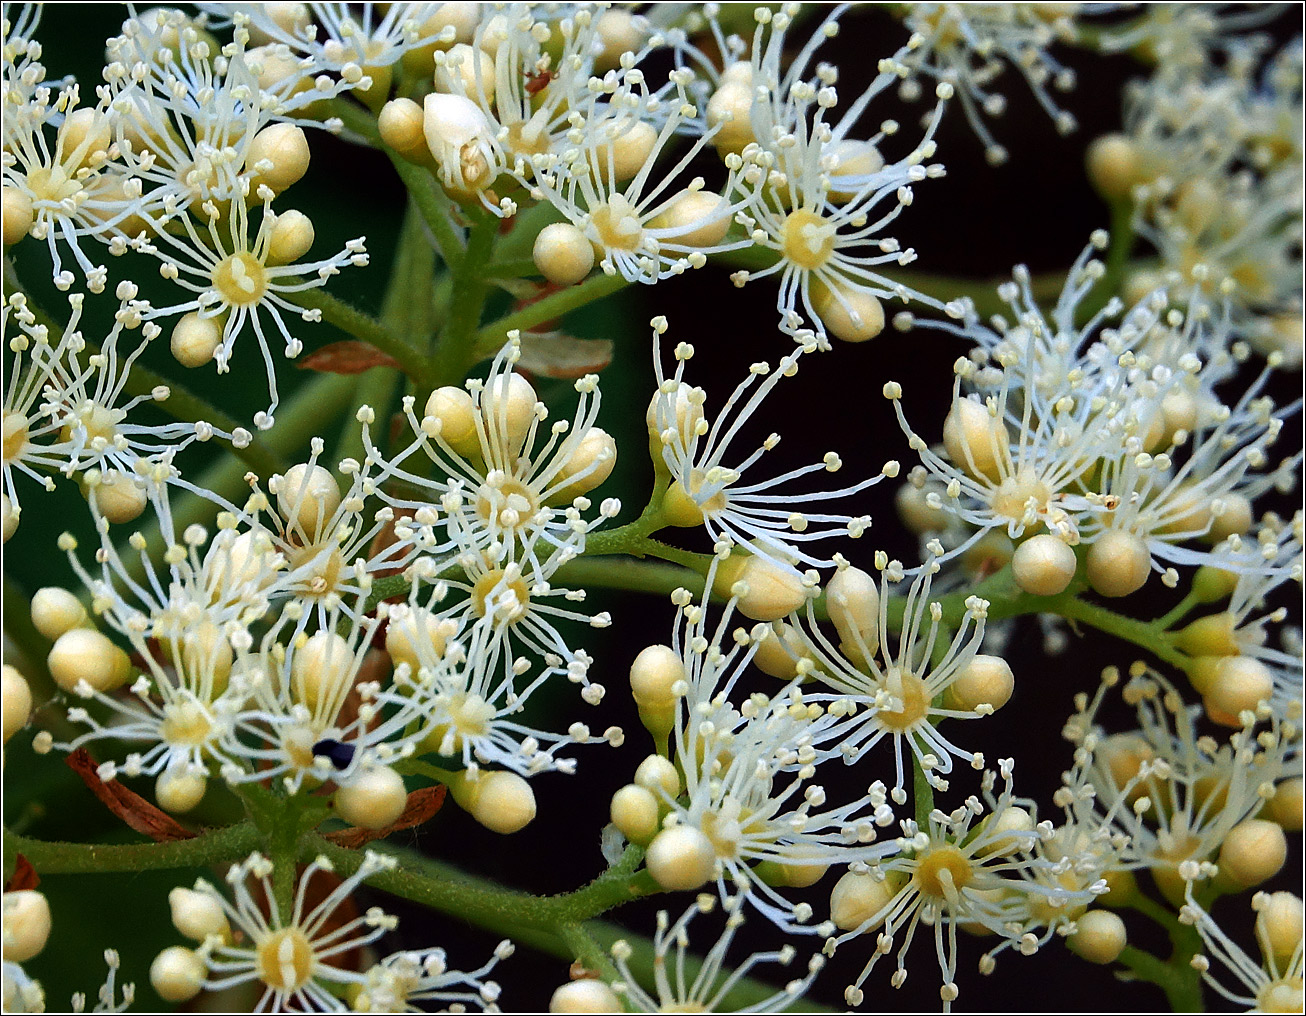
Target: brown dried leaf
556	355
129	806
422	806
24	876
349	357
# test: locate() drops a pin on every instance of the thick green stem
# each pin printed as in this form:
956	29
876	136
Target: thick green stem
435	207
456	352
493	335
367	329
633	575
56	858
1183	989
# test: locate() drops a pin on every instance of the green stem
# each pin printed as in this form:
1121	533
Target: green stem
512	269
1144	634
1183	990
456	352
633	575
367	329
493	335
434	206
56	858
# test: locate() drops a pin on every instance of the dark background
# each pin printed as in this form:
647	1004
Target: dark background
975	223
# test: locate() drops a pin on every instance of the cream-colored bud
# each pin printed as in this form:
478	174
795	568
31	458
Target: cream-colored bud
1124	755
985	681
976	440
307	498
503	802
410	627
852	159
198	915
1118	563
1211	635
400	125
1004	831
178	791
55	611
770	591
562	254
1232	683
595	457
292	18
195	339
118	497
85	131
177	974
17	214
694	218
374	799
848	313
618	32
285	147
778	654
585	995
1099	937
1197	203
630	147
508	409
1286	806
853	602
634	811
83	654
456	413
657	773
321	672
915	513
652	676
860	898
681	858
9	514
1235	518
1279	921
681	411
1283	334
1253	851
1211	584
792	872
16	698
1114	166
26	924
465	70
457	135
279	71
292	236
1043	565
730	108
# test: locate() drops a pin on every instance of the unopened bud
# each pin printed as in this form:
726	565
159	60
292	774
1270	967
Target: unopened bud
985	681
853	603
501	801
562	254
26	925
374	799
195	339
589	465
1043	565
1099	937
848	313
681	858
586	995
177	974
179	790
85	655
285	147
1118	563
55	611
292	236
1114	166
861	898
976	440
1253	851
197	915
634	811
16	698
307	498
770	591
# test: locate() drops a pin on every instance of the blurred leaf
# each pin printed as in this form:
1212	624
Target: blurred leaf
562	356
350	357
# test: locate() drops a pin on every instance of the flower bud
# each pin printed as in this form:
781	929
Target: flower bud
1285	807
321	672
631	145
455	414
562	254
853	603
177	974
857	898
1281	333
729	109
1043	565
681	858
1230	684
848	313
16	213
292	236
198	915
9	514
26	925
694	218
764	590
56	610
179	790
590	463
778	654
463	17
292	18
1212	635
1124	755
1235	517
457	135
374	799
195	339
508	409
1211	584
656	774
987	681
1100	937
1114	166
851	159
278	157
84	132
618	32
307	498
464	70
83	654
118	497
412	626
792	872
915	513
16	698
1118	563
400	125
634	811
653	675
976	441
1253	851
279	70
501	801
1279	921
585	995
1004	831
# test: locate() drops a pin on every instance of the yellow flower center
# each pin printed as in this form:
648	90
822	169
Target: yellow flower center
943	870
285	960
910	691
509	504
240	279
469	716
485	586
1015	492
1283	995
15	436
807	239
184	723
53	184
617	224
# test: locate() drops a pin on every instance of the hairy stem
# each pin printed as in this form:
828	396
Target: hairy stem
57	858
